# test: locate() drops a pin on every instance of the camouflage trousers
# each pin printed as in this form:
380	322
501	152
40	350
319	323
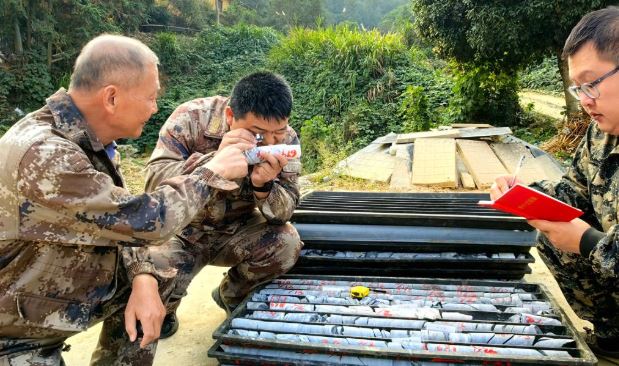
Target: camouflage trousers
257	252
592	298
113	348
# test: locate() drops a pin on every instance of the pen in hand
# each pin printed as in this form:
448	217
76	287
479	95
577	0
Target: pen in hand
516	171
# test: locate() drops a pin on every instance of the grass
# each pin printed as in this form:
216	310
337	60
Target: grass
133	169
344	183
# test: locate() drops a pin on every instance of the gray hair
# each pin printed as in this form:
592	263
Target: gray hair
601	27
111	59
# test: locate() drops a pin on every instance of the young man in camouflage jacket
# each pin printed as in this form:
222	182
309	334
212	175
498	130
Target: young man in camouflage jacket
72	238
245	228
583	254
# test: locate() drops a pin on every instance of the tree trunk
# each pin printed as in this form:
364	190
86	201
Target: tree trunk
572	105
19	47
218	7
51	36
29	15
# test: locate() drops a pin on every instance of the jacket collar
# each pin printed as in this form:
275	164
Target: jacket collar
216	125
70	121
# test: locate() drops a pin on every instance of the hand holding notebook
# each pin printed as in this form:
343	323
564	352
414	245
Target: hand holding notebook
531	204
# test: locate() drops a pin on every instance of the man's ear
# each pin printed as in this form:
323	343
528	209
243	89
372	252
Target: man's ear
110	98
229	116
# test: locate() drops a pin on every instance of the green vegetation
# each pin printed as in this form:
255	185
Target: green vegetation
351	87
206	64
501	37
358	68
543	76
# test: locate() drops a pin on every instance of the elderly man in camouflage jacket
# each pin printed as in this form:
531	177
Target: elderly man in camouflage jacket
245	228
72	238
583	254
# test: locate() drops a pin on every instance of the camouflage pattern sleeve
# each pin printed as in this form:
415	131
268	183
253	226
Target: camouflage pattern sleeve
69	202
603	256
573	188
590	185
279	205
175	152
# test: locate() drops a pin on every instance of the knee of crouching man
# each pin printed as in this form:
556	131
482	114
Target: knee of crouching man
291	245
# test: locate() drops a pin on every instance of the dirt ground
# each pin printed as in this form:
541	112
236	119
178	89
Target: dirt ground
543	103
199	317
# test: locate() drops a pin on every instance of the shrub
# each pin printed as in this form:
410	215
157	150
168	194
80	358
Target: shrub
204	65
482	94
322	145
543	76
354	81
414	109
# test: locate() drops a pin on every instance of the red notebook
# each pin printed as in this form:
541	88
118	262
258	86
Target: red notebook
534	205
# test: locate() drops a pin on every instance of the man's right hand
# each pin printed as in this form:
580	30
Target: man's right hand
501	185
230	162
237	136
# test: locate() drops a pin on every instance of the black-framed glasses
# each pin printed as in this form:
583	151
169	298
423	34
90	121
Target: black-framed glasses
590	89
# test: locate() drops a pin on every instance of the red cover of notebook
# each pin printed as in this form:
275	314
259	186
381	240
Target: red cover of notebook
533	205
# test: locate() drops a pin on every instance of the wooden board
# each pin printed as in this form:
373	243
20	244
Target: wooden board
484	132
466	125
481	162
411	137
510	154
466	180
434	162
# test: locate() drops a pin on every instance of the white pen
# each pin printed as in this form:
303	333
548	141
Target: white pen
517	170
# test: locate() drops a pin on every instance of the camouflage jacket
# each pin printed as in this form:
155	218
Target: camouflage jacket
66	222
592	184
194	132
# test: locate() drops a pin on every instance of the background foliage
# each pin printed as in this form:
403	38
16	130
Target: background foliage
208	63
359	68
349	86
542	76
502	36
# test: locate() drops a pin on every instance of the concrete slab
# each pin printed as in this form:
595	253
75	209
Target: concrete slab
411	137
387	139
372	163
553	171
401	177
484	132
510	154
466	180
404	151
480	161
434	162
468	125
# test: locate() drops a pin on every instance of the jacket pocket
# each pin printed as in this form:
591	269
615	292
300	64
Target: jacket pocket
48	312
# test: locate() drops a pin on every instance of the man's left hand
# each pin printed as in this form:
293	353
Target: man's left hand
267	170
146	306
563	235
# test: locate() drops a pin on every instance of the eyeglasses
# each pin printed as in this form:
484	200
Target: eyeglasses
590	89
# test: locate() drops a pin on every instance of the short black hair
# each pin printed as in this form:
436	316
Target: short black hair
264	94
601	27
